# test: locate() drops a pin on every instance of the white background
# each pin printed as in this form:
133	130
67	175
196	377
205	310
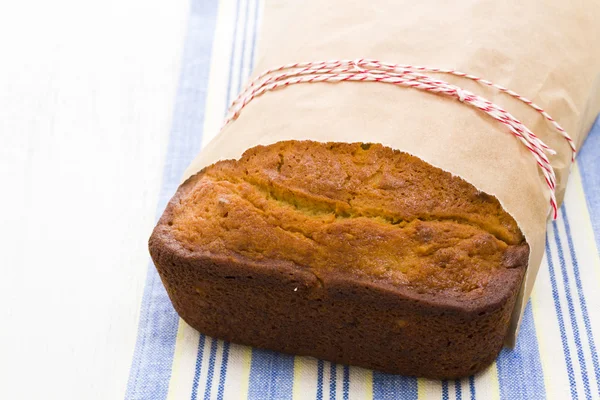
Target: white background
86	96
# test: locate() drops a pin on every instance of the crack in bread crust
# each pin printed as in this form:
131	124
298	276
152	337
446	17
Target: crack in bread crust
312	206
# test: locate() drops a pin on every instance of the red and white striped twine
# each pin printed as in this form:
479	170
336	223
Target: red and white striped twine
365	70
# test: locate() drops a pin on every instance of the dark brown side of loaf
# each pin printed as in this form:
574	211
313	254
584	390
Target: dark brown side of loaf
418	327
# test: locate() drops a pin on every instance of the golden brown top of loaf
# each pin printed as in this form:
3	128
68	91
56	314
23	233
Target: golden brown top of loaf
360	209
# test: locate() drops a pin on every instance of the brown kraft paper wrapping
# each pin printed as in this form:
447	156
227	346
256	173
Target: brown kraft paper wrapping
546	50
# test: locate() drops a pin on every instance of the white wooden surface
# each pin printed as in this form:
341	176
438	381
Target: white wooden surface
86	96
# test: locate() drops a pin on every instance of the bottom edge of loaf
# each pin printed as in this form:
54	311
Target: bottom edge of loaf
292	311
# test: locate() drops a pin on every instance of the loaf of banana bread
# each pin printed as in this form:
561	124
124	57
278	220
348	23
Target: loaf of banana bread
349	252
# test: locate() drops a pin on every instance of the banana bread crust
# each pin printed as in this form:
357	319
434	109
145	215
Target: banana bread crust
353	253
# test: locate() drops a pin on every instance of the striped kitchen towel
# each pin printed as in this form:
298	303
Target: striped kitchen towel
556	355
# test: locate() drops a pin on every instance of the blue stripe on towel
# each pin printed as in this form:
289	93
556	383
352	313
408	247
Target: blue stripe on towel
571	308
211	368
588	162
198	368
332	381
458	389
271	375
241	77
255	35
320	368
231	57
523	360
472	387
392	387
346	382
561	322
223	375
